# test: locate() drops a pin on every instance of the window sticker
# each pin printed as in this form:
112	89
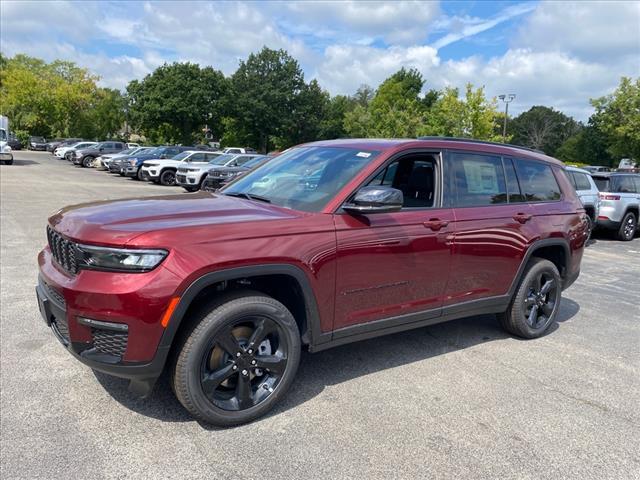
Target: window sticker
363	154
481	177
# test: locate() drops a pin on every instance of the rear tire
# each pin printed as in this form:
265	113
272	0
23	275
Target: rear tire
535	305
244	354
627	229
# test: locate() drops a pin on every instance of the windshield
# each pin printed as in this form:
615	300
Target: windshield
223	159
181	156
151	152
304	178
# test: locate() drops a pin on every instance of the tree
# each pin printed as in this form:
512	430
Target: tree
588	146
176	101
618	117
332	125
265	91
364	95
473	117
543	128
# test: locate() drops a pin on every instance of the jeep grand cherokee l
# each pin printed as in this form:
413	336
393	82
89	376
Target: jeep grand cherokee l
329	243
619	203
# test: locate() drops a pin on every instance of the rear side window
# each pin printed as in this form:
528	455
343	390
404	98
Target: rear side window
624	184
479	180
580	181
537	181
513	187
602	183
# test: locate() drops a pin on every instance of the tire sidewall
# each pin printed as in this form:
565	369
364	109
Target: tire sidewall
517	310
218	319
625	219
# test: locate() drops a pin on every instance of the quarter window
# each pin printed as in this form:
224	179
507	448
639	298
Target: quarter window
624	184
537	181
479	180
581	180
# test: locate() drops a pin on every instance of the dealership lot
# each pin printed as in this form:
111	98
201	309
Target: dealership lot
460	399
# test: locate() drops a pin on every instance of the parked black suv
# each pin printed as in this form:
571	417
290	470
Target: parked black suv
86	156
220	176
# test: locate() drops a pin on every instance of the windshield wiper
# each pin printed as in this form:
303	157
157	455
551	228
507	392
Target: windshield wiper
248	196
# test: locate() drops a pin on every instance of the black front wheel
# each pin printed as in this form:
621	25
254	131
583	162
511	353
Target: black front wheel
168	178
238	361
536	302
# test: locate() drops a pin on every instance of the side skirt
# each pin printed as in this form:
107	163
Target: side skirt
401	323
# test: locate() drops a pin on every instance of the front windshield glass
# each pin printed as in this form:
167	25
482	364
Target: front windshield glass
153	151
304	178
254	162
222	159
181	156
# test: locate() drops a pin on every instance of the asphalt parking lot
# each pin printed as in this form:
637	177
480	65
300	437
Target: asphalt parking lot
456	400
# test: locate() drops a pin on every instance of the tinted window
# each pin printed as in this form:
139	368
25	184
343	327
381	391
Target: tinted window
197	157
479	180
537	181
107	145
602	183
513	187
624	184
211	156
243	160
119	146
414	175
582	182
636	180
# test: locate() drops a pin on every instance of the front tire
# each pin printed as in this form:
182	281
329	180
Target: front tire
168	178
628	227
238	361
87	162
537	300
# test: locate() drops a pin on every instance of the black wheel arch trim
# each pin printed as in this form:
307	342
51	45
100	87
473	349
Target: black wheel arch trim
312	335
535	246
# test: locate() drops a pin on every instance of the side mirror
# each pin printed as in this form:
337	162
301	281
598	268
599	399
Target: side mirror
375	199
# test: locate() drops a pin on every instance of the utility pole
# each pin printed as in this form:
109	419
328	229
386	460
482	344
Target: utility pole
507	99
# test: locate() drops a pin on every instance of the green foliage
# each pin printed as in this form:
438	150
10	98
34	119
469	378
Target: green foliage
618	117
474	117
588	146
543	128
265	91
173	103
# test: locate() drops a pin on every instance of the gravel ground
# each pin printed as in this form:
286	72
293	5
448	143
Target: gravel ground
457	400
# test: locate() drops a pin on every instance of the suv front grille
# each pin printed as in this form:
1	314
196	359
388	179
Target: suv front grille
61	328
63	251
109	341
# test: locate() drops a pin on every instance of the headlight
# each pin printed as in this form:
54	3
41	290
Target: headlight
119	259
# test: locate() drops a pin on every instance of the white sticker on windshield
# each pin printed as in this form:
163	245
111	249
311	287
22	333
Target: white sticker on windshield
363	154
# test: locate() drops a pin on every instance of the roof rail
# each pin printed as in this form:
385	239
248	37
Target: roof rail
485	142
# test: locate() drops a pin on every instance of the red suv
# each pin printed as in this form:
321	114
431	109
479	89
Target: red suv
329	243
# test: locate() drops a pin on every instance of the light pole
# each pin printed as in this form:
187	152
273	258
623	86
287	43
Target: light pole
507	99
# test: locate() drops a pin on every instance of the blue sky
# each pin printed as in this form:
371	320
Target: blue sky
552	53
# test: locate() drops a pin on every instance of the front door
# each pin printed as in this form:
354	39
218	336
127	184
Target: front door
395	264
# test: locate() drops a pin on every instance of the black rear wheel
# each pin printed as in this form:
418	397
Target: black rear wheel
238	361
536	302
628	227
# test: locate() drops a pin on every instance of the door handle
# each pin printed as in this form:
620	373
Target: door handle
522	217
436	224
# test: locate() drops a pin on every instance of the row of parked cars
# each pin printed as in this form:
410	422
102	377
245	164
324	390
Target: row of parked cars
189	167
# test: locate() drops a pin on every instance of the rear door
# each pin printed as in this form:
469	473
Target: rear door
492	226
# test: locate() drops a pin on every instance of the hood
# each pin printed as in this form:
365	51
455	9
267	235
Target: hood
118	222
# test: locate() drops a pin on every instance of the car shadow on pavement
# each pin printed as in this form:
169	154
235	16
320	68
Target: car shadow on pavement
342	364
17	162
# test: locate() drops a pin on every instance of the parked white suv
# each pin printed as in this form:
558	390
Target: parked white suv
190	177
620	203
164	170
238	150
587	192
60	151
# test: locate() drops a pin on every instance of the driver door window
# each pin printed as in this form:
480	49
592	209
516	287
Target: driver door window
414	176
196	157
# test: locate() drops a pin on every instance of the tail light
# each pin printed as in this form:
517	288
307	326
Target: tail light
609	197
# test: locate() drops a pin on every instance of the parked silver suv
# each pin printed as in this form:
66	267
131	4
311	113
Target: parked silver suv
619	202
587	192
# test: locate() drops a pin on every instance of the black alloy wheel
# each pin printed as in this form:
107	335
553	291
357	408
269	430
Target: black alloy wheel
244	364
627	227
238	360
168	178
536	302
540	303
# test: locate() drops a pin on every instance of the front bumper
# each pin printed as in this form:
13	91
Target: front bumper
130	171
187	179
6	156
